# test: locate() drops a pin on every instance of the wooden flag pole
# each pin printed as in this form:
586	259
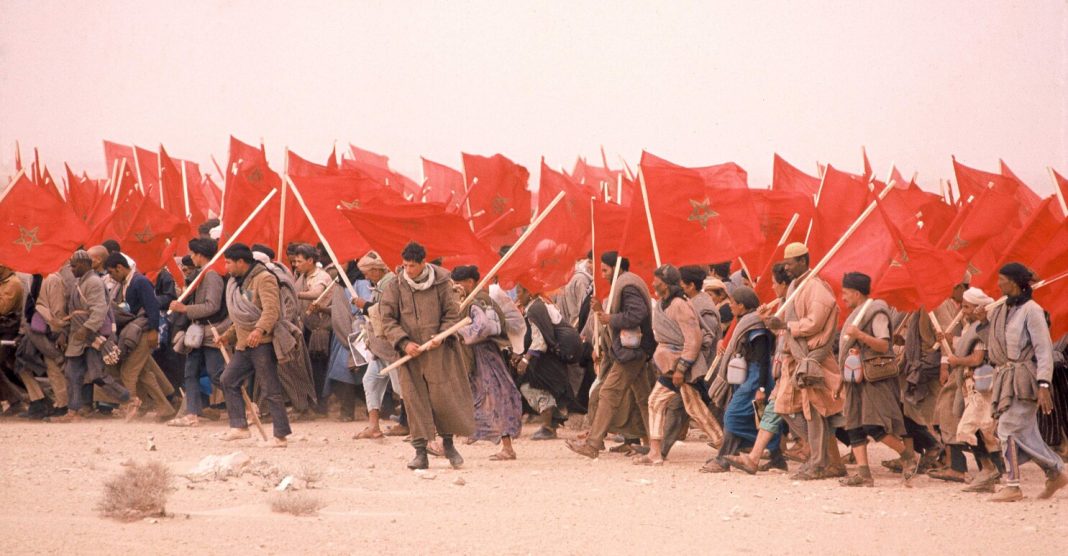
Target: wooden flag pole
118	183
649	216
222	175
626	168
1035	286
428	345
593	285
816	202
782	241
282	209
185	192
326	243
498	220
229	241
834	249
511	251
251	407
860	315
1057	190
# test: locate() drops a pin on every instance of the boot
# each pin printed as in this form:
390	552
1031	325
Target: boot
37	411
455	459
420	461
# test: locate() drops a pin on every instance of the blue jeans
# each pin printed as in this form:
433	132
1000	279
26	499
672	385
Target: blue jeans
92	363
261	361
204	359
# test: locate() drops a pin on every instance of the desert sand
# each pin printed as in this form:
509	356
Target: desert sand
548	501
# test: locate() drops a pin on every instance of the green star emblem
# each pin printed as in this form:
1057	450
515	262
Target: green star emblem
701	212
28	238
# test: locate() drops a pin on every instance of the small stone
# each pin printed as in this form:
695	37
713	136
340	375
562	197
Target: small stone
459	481
428	476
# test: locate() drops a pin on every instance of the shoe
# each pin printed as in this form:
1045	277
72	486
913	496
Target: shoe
893	465
434	448
398	430
276	442
544	433
835	471
713	466
800	455
36	412
807	475
742	463
68	417
781	465
236	434
13	410
367	434
454	457
582	449
857	480
188	420
1008	494
984	483
1053	485
928	461
947	475
624	448
910	467
211	414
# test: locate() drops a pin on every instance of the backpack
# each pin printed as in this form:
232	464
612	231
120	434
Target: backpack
568	346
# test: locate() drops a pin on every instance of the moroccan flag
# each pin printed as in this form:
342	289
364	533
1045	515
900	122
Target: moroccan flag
170	187
1060	182
841	200
38	232
611	222
785	177
919	274
868	250
82	194
248	181
297	166
324	195
213	193
774	210
199	204
597	180
114	153
1034	245
376	167
1054	299
971	183
547	258
983	229
496	185
153	237
443	184
1027	196
696	219
387	230
727	175
147	169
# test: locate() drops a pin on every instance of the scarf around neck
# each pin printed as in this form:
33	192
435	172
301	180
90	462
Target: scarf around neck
423	281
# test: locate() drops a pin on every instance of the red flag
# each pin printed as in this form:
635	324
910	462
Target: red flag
38	232
1024	193
868	250
248	181
983	229
727	175
501	184
696	220
376	167
153	236
547	258
114	152
147	170
387	230
1054	299
596	180
213	193
972	183
82	194
170	186
199	204
297	166
18	157
785	177
842	198
324	195
867	164
919	275
50	185
444	185
1061	183
775	209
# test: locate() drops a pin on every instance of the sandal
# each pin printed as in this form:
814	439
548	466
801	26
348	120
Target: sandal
131	408
189	420
646	460
435	449
502	456
368	434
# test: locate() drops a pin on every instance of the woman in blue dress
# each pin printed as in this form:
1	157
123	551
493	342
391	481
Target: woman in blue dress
346	318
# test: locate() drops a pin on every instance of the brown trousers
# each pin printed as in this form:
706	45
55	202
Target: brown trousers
622	381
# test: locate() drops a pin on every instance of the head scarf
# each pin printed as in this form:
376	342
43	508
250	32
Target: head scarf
1022	277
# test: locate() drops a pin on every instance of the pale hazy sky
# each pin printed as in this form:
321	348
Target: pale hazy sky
694	82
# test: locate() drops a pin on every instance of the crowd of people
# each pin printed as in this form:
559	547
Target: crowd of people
765	382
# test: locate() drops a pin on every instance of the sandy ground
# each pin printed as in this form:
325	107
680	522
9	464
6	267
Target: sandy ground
549	501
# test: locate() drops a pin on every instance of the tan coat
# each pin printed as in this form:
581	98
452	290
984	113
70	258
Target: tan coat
437	395
263	287
817	317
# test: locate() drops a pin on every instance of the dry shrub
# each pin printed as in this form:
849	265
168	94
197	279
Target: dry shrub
309	474
140	491
296	503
